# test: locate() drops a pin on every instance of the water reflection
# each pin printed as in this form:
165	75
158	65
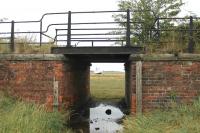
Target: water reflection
105	119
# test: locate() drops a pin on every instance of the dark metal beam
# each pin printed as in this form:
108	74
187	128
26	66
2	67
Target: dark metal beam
69	30
100	58
12	37
96	50
128	29
191	43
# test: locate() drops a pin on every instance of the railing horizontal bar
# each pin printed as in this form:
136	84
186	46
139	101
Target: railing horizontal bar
53	25
100	29
96	38
58	13
179	18
84	23
33	43
95	29
89	12
98	34
108	11
27	21
96	12
97	23
92	40
5	22
95	34
5	33
177	30
27	32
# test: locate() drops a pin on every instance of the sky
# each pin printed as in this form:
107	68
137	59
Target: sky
33	10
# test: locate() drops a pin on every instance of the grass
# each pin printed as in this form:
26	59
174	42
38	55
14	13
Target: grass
107	86
21	117
27	49
25	45
180	119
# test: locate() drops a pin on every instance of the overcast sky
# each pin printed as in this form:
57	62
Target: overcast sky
33	10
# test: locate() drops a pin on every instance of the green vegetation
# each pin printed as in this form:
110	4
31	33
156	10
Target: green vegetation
27	48
174	35
146	12
24	117
21	117
26	45
180	119
107	86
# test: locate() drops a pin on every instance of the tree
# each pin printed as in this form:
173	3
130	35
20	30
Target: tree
144	14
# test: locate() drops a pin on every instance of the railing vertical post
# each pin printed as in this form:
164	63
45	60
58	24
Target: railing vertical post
128	31
69	30
158	32
92	43
40	33
191	40
12	37
56	38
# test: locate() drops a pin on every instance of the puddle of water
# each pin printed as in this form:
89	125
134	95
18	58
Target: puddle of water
104	119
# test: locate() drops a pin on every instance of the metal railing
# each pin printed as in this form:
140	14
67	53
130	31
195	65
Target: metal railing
179	25
103	33
72	34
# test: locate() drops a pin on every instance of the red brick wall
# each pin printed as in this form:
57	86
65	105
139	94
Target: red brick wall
33	79
164	81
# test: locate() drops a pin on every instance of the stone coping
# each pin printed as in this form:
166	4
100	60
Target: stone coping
165	57
36	57
133	57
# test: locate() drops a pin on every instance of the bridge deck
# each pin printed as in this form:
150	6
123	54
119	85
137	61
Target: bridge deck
98	54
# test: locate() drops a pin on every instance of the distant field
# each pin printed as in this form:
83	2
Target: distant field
108	85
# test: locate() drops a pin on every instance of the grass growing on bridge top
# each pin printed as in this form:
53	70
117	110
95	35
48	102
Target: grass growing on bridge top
21	117
107	86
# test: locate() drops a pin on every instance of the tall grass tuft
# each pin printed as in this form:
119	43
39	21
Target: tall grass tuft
21	117
26	45
180	119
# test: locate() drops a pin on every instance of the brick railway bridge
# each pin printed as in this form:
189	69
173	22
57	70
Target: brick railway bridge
62	79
